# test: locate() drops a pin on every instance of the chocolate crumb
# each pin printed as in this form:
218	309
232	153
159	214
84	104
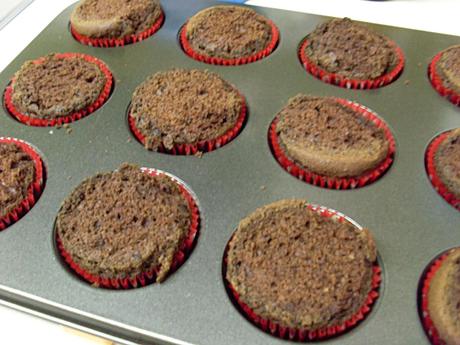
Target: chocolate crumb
184	107
228	32
121	223
297	268
350	49
17	172
56	86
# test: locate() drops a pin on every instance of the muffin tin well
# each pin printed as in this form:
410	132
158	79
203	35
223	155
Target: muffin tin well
409	220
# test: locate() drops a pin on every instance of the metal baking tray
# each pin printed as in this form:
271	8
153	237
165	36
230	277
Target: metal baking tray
410	221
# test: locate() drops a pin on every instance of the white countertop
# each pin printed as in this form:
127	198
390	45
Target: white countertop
430	15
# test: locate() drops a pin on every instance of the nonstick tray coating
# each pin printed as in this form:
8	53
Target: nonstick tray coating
410	221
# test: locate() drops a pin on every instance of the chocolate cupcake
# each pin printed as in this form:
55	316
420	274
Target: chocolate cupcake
58	88
108	23
186	111
301	272
228	35
350	55
21	179
127	227
441	300
331	142
443	165
444	73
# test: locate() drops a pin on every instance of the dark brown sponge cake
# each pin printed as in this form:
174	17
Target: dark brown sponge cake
55	87
228	32
17	172
329	138
448	68
444	299
114	18
300	269
447	162
120	224
184	107
351	50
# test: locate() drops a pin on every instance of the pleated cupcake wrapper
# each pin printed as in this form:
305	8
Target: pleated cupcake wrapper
118	42
349	83
32	121
436	181
188	49
427	323
202	146
33	191
149	276
436	81
306	335
313	178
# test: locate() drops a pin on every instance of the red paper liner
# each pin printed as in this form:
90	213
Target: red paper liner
32	121
188	49
430	166
336	79
33	191
147	277
313	178
118	42
202	146
436	81
426	279
306	335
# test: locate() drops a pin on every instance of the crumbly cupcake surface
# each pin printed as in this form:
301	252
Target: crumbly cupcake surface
350	49
17	171
184	107
299	269
123	223
114	18
329	138
448	68
56	86
447	162
444	299
228	32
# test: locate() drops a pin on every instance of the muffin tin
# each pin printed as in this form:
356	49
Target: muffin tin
410	221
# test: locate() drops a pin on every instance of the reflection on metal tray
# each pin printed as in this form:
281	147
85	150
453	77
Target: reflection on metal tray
10	9
410	221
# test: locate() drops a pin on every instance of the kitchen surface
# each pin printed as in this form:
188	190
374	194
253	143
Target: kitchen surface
22	21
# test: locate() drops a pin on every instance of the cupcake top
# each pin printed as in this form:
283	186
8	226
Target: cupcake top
184	107
114	18
17	171
444	299
122	223
448	67
299	269
54	87
329	138
447	162
351	50
228	32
